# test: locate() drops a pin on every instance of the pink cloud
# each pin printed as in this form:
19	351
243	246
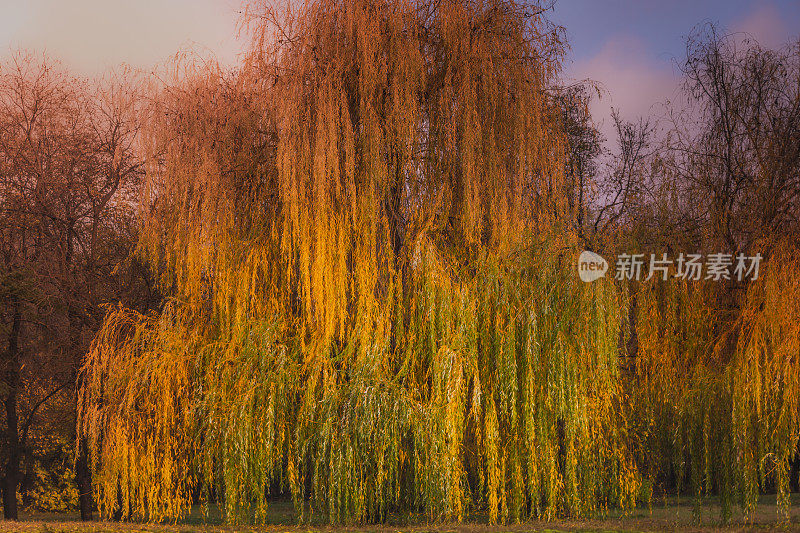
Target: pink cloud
765	25
630	82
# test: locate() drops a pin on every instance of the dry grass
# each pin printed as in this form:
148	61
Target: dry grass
672	515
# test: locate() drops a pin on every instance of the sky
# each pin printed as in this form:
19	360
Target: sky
634	47
90	36
629	46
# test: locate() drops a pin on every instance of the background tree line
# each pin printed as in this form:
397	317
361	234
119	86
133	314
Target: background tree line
70	172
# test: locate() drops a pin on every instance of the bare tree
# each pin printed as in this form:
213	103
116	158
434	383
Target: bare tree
68	177
583	151
740	157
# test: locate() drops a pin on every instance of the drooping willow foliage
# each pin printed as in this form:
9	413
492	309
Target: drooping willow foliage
715	389
370	299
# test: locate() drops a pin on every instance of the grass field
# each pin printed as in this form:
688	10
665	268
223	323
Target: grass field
670	515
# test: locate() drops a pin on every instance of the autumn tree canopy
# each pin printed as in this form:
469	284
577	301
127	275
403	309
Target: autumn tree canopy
366	238
361	239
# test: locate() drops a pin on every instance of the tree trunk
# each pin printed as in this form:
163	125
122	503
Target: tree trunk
83	477
11	478
26	480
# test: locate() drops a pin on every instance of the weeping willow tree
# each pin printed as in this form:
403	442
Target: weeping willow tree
716	397
370	301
